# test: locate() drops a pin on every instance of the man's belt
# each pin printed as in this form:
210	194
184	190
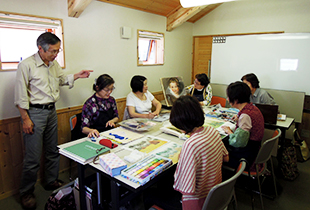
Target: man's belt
49	106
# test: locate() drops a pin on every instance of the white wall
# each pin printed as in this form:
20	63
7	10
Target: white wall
248	16
93	41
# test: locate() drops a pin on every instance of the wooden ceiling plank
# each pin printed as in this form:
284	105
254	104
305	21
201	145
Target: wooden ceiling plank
76	7
141	5
204	12
182	15
160	7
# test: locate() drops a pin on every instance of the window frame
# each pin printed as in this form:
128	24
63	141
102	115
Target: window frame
154	46
60	34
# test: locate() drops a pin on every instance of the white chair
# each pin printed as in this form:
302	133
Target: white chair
126	114
221	194
263	156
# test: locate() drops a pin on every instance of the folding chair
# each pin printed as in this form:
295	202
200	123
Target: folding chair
221	194
263	156
75	125
76	133
218	100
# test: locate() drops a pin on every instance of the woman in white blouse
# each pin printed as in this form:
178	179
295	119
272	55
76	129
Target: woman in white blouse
139	102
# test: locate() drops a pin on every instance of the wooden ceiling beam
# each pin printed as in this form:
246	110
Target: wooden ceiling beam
181	15
76	7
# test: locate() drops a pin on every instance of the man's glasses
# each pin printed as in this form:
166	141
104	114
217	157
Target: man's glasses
197	83
55	52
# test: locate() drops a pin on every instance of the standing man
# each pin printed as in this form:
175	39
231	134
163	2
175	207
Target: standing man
37	89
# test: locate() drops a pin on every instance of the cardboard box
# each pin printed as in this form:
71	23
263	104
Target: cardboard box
76	193
112	164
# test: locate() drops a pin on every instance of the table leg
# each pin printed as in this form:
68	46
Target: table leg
99	187
115	195
81	170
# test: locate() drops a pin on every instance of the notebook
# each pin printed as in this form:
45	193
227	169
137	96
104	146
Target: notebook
270	112
85	151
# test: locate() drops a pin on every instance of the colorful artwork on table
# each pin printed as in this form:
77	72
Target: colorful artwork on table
170	150
215	123
146	144
121	135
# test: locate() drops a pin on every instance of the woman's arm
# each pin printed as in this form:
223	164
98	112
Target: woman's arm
112	122
208	96
239	138
157	104
133	114
241	135
226	158
90	132
87	118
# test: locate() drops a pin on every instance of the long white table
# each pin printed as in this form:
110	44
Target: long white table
118	181
282	125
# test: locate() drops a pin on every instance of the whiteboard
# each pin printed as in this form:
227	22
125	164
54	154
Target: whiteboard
280	61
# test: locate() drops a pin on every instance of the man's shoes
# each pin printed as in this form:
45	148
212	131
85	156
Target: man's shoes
28	201
54	185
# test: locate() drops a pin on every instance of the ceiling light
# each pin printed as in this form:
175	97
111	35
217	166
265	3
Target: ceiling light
195	3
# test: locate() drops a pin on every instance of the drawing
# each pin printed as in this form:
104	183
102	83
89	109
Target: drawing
146	144
173	88
213	123
170	150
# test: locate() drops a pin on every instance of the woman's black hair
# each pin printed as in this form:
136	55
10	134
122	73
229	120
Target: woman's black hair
187	114
238	92
136	83
103	81
251	78
203	79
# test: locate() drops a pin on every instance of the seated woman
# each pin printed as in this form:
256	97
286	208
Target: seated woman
257	95
201	89
174	90
245	141
139	102
100	111
202	154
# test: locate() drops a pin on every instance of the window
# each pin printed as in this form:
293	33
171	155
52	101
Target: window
18	38
150	48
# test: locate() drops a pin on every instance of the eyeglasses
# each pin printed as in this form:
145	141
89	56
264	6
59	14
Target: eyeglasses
54	52
108	89
196	82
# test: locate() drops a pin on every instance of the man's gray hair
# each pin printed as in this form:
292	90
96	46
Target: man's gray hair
46	39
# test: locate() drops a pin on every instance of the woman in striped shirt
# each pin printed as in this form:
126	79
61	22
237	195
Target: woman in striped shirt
201	157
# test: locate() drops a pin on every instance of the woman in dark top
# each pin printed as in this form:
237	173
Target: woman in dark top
100	111
201	89
245	141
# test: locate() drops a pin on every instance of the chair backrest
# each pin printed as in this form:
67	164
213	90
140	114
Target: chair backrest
218	100
73	120
265	151
75	125
297	139
126	114
221	194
